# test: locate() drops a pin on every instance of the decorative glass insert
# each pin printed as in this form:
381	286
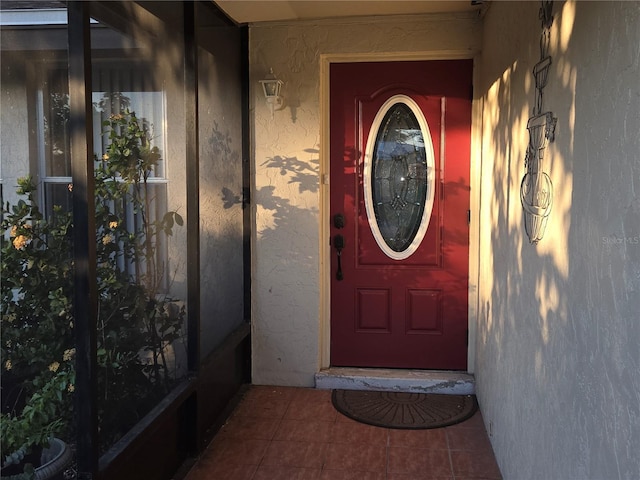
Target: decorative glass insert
398	183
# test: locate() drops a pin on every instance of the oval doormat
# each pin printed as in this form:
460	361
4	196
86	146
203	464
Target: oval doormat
404	410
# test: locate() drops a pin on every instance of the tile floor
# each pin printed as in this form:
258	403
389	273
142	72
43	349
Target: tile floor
284	433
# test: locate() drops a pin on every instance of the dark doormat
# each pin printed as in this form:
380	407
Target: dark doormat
404	410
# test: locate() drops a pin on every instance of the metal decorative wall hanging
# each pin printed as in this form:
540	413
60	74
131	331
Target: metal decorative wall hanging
536	189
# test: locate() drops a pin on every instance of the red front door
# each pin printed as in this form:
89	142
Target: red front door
400	149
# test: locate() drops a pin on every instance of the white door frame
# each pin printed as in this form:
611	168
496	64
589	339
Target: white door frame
475	163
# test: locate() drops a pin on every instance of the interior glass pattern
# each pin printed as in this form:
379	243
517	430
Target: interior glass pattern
399	177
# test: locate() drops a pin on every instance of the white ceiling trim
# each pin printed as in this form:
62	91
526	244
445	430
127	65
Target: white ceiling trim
256	11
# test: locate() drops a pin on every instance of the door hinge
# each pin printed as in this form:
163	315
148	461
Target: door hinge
468	217
467	337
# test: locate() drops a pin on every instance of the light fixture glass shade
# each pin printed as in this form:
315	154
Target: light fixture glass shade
271	88
271	85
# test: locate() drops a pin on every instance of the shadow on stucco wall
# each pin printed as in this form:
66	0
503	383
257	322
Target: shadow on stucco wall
560	318
221	235
304	173
288	221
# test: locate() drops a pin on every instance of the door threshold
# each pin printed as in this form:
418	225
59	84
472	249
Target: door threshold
396	380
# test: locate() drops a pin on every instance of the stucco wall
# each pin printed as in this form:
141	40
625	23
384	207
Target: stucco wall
558	347
221	247
286	165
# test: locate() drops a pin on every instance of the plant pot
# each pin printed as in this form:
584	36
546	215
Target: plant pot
53	462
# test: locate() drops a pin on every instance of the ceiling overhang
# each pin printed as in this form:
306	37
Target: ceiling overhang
255	11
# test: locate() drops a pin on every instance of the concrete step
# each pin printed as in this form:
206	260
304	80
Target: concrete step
396	380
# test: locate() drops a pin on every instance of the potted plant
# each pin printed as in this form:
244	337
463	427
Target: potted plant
138	322
37	341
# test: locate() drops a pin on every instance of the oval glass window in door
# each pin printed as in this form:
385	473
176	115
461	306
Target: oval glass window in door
399	177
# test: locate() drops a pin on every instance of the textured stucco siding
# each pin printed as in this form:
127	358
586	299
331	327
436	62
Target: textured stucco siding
558	345
286	159
221	236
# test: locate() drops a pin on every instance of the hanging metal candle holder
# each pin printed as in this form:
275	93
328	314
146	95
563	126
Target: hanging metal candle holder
536	188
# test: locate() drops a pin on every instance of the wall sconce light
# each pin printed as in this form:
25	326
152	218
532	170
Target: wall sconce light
271	87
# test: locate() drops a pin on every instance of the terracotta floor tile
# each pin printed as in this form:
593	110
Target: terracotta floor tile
265	402
433	438
358	433
474	464
304	431
256	408
476	421
312	394
343	418
351	475
296	434
250	428
356	457
295	454
301	408
285	473
419	461
469	439
423	476
237	451
267	392
218	444
222	470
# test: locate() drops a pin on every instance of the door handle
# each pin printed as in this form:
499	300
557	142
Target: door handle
338	243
